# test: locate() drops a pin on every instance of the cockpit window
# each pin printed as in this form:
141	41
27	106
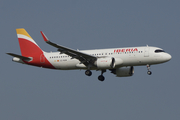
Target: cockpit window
158	51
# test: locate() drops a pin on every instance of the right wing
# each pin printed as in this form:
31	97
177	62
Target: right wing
84	58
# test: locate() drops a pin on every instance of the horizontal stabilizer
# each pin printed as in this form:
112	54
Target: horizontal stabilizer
19	56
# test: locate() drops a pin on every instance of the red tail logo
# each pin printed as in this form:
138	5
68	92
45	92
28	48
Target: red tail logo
27	45
29	48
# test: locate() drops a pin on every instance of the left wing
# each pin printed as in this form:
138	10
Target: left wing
84	58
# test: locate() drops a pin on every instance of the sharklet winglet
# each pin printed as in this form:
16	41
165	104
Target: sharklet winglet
44	37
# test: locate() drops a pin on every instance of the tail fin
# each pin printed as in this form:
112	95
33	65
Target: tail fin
31	52
28	46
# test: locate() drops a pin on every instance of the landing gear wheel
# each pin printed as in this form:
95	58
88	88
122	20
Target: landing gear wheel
101	78
149	72
88	72
148	68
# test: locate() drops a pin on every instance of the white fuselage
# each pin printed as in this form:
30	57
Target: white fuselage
119	61
131	56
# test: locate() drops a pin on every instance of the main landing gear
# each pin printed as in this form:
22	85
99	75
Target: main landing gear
148	68
88	72
100	77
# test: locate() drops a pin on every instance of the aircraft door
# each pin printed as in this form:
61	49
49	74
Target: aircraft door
146	52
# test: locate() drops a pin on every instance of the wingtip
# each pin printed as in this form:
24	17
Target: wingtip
44	37
9	53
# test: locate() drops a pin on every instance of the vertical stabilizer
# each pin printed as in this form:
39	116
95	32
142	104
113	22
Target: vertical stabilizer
30	49
28	46
31	53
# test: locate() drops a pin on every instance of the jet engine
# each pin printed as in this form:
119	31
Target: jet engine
123	71
105	63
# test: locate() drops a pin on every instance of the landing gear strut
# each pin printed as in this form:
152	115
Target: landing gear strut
101	77
88	72
148	68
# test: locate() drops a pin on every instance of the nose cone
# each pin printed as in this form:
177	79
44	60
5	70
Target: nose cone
167	57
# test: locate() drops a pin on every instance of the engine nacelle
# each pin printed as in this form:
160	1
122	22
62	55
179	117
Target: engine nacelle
124	71
105	63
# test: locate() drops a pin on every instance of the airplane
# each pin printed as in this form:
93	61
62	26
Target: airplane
120	61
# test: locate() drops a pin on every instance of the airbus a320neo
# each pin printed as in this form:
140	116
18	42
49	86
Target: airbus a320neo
119	61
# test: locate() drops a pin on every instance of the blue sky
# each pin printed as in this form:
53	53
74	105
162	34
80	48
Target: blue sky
28	92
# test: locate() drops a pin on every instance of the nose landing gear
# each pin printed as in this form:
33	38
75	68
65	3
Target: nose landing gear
148	68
